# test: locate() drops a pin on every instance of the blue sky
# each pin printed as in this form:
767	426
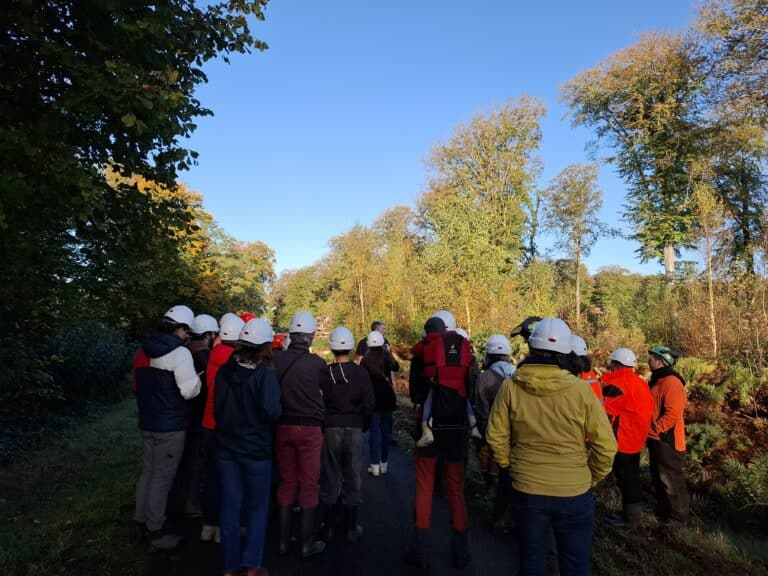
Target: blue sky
331	125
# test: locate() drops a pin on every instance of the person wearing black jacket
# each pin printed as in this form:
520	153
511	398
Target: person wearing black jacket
299	434
348	396
246	404
380	364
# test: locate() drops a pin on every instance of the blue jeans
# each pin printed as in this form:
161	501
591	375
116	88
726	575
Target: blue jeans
244	496
571	519
380	434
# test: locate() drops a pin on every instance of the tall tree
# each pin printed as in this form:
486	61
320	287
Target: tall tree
86	84
735	41
492	162
642	102
573	201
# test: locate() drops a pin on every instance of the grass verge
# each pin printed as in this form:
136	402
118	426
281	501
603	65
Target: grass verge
67	508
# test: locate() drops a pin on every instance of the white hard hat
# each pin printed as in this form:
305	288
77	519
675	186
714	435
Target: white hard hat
256	331
303	322
624	356
225	316
341	339
447	318
498	344
231	326
375	339
204	323
551	334
463	333
181	314
578	345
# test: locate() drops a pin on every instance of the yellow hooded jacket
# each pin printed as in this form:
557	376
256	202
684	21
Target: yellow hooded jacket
538	425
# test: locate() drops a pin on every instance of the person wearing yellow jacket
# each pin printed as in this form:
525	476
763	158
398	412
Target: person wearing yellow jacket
666	438
536	431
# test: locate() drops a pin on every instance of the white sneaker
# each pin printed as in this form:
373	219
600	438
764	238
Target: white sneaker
383	467
208	533
374	469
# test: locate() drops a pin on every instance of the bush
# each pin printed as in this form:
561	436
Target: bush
94	361
747	485
744	383
703	439
709	394
26	383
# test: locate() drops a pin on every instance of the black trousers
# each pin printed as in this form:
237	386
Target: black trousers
626	469
668	480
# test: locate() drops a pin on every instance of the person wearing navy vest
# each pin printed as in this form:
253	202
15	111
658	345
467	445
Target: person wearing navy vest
164	379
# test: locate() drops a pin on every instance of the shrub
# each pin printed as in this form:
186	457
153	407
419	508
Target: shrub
26	383
693	370
95	359
744	383
703	439
747	485
709	394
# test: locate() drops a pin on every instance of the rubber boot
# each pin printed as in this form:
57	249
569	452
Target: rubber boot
354	530
460	550
328	522
310	545
284	519
417	554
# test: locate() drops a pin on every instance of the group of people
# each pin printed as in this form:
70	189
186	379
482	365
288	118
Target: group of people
220	402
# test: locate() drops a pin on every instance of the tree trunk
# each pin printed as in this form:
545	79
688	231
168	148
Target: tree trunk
469	318
577	259
669	262
711	289
362	301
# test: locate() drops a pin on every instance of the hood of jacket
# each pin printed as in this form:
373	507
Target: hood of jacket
159	344
543	379
503	368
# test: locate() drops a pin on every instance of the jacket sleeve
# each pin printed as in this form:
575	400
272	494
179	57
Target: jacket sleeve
184	371
673	402
498	434
368	402
270	395
601	440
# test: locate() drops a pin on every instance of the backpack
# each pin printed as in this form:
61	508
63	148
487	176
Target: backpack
447	362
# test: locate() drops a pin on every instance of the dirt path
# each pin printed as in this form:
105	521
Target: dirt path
386	516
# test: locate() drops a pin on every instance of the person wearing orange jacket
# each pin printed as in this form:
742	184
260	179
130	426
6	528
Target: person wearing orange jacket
629	406
584	368
666	438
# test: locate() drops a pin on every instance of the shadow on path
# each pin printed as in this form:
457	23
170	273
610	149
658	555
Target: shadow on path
386	516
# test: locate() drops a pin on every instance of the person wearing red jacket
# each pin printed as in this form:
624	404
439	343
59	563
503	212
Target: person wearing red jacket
229	332
629	407
666	438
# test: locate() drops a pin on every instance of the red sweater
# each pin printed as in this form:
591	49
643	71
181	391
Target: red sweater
219	356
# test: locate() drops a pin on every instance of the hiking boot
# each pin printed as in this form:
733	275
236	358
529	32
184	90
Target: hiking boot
354	530
207	533
160	540
427	437
383	467
460	556
417	554
310	545
374	469
284	520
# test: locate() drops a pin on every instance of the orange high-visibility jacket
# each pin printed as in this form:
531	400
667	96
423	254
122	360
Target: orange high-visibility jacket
629	406
669	401
591	379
